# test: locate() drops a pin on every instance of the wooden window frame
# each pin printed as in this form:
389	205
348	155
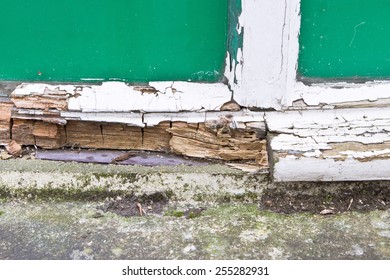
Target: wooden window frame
262	75
316	132
321	131
375	93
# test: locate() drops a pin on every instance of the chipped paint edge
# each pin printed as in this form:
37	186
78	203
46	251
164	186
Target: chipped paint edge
120	97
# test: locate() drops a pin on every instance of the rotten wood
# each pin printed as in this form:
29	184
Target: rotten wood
45	99
13	148
5	120
22	132
156	138
49	116
218	141
221	140
38	133
49	135
41	116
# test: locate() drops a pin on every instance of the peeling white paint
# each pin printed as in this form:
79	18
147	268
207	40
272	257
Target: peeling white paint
170	97
366	126
316	145
337	93
367	154
119	97
288	142
131	119
200	117
313	169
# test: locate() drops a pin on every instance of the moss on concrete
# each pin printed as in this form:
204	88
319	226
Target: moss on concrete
109	169
45	180
174	213
73	230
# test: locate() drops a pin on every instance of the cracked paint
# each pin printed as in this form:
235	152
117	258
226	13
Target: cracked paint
119	97
328	145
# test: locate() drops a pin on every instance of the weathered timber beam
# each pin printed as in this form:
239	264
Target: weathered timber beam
5	120
120	97
330	145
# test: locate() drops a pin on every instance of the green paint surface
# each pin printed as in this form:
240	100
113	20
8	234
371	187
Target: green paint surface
345	39
135	41
235	39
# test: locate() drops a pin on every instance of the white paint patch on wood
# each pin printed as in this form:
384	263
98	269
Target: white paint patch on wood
316	145
314	169
130	118
245	116
338	93
367	154
169	97
366	126
120	97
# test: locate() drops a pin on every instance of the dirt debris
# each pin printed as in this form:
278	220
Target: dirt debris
13	148
360	198
136	206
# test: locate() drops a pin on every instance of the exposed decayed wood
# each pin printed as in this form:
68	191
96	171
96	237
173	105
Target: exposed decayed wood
84	134
13	148
41	116
5	121
218	142
49	135
195	140
41	134
156	138
117	136
5	110
45	100
22	132
5	134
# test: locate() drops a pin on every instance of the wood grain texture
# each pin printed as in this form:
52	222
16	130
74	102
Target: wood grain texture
217	141
5	120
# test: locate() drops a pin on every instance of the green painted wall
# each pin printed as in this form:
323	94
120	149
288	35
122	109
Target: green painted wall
132	40
343	39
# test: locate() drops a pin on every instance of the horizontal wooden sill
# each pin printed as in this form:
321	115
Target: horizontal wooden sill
307	145
330	145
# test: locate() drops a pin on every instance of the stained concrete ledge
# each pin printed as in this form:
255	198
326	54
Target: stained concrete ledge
190	186
193	185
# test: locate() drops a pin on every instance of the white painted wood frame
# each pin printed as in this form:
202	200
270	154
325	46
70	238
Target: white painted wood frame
311	139
258	80
268	74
